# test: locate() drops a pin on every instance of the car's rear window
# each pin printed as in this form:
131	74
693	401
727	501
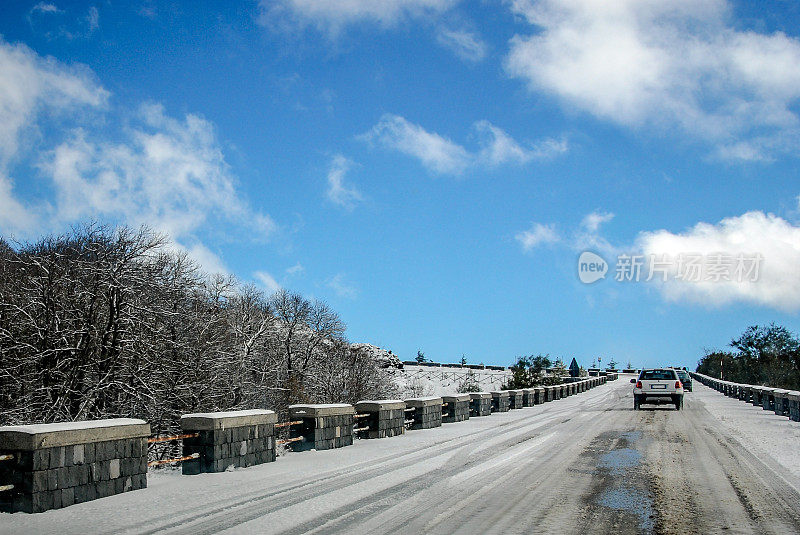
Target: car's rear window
655	375
682	374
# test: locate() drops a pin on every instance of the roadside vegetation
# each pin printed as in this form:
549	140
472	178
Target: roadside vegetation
529	371
762	355
114	322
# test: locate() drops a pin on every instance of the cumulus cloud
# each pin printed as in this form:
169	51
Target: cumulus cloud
441	155
31	84
536	235
332	16
753	235
670	64
267	281
465	44
167	173
341	287
338	192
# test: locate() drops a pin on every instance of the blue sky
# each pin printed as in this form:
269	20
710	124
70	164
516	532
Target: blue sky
431	168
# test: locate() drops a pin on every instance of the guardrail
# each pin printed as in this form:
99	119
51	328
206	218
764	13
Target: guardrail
50	466
780	401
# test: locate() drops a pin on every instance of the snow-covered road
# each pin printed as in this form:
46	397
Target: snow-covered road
587	463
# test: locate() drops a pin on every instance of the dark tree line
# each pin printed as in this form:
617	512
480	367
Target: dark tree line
529	371
103	323
768	355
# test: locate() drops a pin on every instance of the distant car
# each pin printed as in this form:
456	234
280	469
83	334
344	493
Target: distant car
685	378
658	385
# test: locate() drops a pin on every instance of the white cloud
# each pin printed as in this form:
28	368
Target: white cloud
209	261
296	269
169	174
772	237
499	147
463	43
341	287
43	7
591	222
332	16
436	152
338	192
444	156
267	281
30	85
671	64
536	235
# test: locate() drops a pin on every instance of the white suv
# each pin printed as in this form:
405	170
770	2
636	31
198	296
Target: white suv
658	385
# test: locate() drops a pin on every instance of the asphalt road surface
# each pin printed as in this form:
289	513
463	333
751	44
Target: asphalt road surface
585	464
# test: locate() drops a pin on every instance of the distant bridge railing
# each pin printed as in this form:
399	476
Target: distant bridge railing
778	400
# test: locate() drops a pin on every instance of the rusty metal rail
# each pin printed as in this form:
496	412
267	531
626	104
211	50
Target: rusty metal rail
289	440
6	457
287	424
177	460
4	488
153	440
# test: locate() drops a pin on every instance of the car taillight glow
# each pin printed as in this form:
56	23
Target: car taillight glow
638	384
677	384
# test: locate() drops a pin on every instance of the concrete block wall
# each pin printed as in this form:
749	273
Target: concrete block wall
480	404
325	426
540	395
57	465
228	439
427	412
500	401
455	408
386	417
515	400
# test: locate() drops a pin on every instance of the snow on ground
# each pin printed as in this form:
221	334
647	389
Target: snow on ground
415	381
171	497
772	437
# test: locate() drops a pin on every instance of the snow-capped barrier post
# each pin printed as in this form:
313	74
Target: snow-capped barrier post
324	426
528	397
515	400
480	404
227	439
500	401
57	465
455	408
427	412
781	404
794	405
757	393
384	418
540	394
767	398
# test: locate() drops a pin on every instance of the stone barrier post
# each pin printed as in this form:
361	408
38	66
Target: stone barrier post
427	412
456	408
480	404
57	465
386	417
228	439
325	426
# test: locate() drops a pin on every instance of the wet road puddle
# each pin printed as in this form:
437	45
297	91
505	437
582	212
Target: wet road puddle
623	487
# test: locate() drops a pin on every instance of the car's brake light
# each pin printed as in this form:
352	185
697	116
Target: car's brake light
677	385
638	384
